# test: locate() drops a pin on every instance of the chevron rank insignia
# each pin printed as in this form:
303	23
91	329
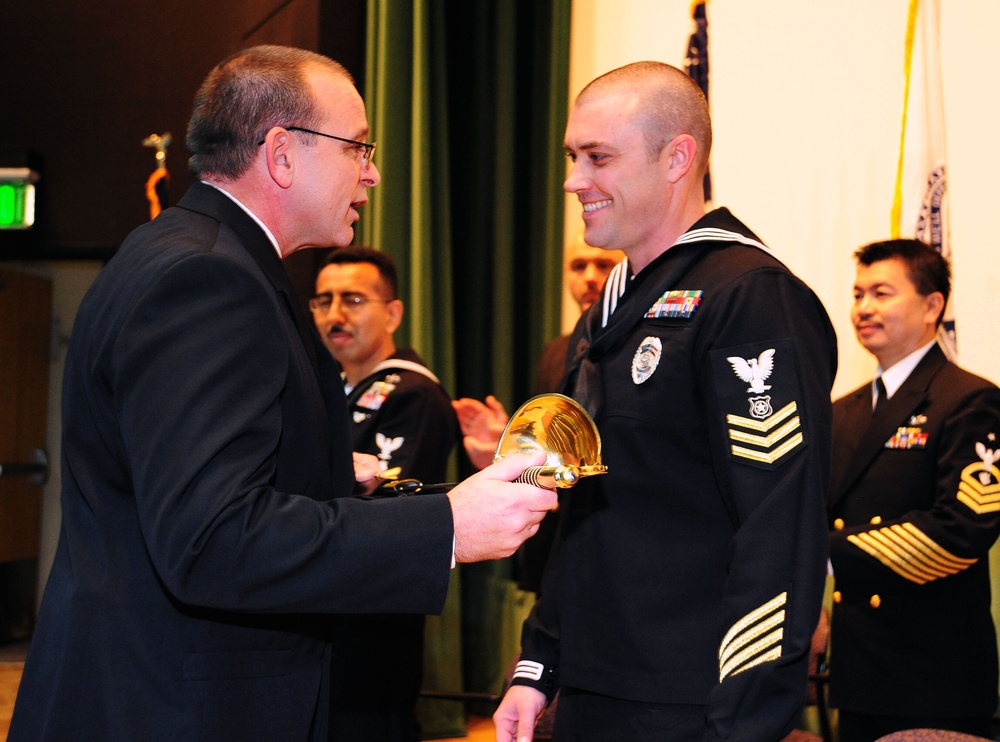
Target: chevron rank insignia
762	421
979	488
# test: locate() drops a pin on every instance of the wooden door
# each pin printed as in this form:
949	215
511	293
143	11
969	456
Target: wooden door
25	342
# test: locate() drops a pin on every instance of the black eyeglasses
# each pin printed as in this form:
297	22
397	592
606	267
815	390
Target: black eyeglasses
349	303
367	149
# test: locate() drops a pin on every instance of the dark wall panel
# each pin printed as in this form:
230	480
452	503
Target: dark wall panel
85	83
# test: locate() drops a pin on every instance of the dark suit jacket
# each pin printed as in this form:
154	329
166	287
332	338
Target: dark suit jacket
914	511
206	528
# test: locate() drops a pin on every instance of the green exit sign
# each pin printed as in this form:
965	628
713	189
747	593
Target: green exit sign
17	198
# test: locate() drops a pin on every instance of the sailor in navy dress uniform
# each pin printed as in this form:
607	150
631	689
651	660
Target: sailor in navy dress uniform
400	413
685	584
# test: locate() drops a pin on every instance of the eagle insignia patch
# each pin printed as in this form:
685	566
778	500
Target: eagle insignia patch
754	371
386	447
757	387
980	485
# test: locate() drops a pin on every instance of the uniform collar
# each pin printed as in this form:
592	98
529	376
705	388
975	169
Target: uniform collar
270	235
894	376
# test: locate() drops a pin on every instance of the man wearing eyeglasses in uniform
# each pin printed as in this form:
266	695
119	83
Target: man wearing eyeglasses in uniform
208	529
401	414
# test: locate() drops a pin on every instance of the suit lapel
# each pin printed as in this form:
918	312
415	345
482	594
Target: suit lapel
891	414
854	417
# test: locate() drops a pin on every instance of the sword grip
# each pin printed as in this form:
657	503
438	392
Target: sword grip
550	477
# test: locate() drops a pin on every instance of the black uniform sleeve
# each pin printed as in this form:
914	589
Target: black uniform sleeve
768	369
939	539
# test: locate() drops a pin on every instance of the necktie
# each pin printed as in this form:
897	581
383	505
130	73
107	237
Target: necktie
879	395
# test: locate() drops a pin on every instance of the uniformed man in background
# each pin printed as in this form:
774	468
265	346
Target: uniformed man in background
401	414
915	508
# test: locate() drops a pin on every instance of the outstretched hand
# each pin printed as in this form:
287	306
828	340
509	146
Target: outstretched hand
492	515
367	473
482	426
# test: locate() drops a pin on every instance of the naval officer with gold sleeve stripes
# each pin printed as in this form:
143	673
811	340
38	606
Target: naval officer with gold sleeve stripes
914	510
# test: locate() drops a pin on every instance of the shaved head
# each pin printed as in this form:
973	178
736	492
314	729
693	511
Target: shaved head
669	103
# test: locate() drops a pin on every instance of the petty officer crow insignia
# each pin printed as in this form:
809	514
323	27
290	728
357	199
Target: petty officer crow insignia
762	422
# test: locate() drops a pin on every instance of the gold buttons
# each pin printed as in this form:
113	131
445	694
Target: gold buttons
837	596
838	525
876	601
876	520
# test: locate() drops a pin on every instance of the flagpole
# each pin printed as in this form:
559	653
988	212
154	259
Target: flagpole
897	199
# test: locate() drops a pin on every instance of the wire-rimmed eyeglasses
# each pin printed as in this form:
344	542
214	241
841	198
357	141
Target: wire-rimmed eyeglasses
323	303
365	149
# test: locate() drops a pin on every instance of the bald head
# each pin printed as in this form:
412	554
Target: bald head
667	103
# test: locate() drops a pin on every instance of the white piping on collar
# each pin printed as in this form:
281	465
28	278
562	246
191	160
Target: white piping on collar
619	277
406	365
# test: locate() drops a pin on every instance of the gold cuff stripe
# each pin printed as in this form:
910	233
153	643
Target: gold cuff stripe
759	630
906	555
944	556
768	458
913	547
745	659
910	553
886	559
762	426
765	441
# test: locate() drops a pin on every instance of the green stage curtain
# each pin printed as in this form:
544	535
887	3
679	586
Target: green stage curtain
468	101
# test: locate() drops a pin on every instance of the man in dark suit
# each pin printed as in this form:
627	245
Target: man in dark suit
206	453
914	508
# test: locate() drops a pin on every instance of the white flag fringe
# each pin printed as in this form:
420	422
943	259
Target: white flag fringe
920	203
